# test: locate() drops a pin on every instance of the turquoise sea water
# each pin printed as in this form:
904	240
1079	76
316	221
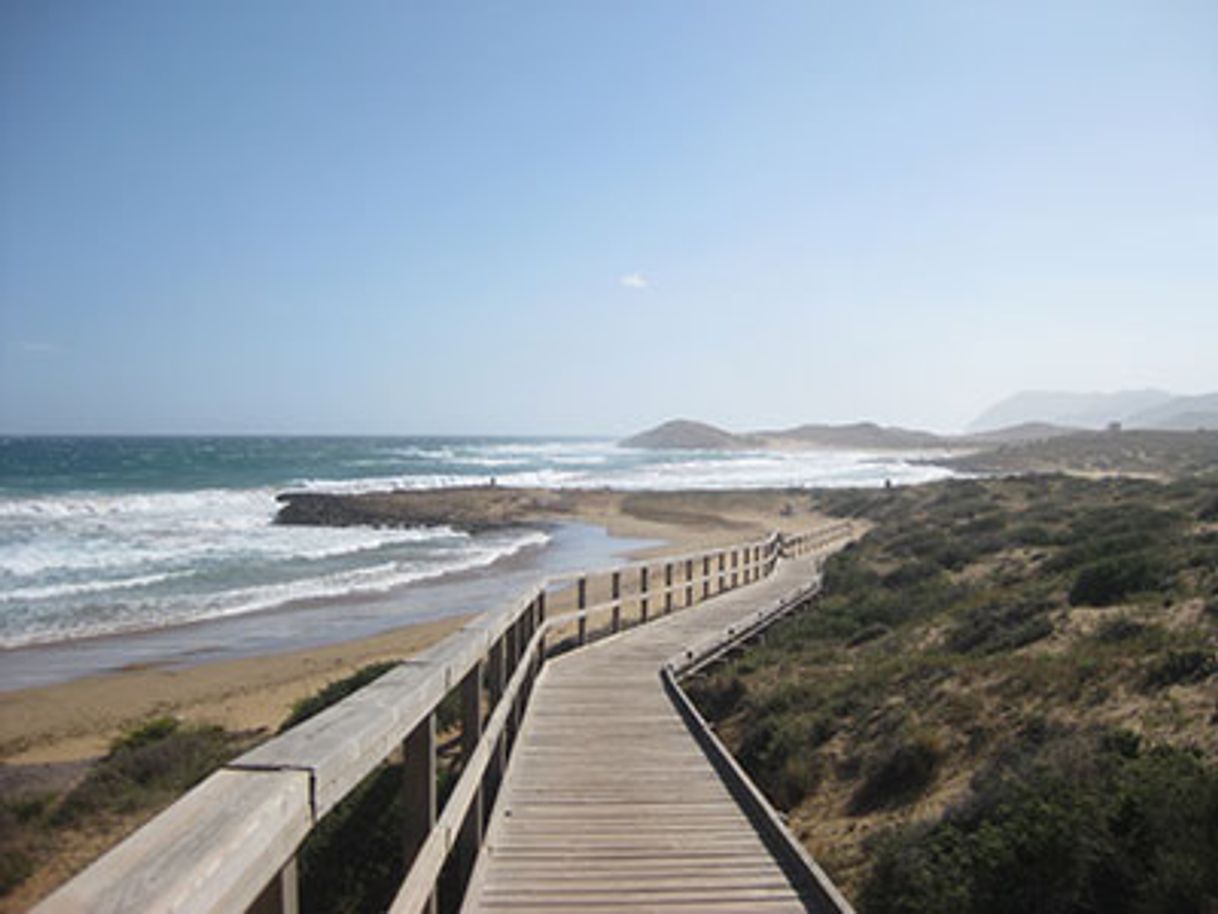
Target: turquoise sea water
107	535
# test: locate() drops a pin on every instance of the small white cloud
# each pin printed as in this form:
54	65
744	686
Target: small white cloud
634	281
34	347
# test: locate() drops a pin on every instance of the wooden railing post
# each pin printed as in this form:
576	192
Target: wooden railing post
689	582
705	576
735	568
520	627
496	682
282	894
494	674
643	594
616	578
582	604
667	588
469	841
539	621
510	651
419	784
722	575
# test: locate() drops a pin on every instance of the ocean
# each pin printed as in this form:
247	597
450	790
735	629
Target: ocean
100	536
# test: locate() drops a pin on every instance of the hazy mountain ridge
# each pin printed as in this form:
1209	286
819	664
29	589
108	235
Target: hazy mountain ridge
1147	409
1180	413
685	434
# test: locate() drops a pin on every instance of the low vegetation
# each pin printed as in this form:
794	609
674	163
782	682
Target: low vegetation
145	770
1006	700
149	767
1159	453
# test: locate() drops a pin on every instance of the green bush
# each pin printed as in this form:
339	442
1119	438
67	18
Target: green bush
149	766
988	629
1110	580
157	729
717	695
868	634
1083	826
898	776
15	868
1181	666
335	692
911	573
1114	631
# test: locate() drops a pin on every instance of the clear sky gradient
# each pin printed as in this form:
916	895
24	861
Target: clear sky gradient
579	217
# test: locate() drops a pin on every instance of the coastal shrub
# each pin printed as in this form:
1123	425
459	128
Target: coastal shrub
1114	631
868	634
1087	550
779	753
986	523
335	692
15	868
1181	667
16	864
717	695
897	775
1109	580
988	629
149	766
157	729
911	573
1210	511
1034	534
1083	824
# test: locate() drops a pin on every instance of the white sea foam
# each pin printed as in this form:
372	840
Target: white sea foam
85	563
135	615
89	587
634	470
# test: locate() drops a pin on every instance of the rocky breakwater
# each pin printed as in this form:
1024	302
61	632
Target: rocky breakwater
469	508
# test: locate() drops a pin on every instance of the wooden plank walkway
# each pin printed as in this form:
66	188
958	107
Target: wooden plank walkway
610	804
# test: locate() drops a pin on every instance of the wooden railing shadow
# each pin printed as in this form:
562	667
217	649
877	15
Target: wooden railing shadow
231	843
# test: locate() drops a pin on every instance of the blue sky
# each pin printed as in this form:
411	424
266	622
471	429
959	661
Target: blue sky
584	217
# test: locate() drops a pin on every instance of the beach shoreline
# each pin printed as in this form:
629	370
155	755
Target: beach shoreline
77	719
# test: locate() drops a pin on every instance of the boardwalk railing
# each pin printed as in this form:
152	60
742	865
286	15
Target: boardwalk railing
230	844
804	872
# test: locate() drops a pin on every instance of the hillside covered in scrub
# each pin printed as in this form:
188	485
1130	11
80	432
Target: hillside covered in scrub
1006	700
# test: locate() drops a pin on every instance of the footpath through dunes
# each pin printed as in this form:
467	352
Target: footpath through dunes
616	798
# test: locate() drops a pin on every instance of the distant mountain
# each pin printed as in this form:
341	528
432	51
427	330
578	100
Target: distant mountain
863	436
685	434
1085	410
1179	414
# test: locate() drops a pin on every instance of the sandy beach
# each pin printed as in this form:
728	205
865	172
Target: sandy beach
76	720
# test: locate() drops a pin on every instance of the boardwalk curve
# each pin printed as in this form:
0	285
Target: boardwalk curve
611	803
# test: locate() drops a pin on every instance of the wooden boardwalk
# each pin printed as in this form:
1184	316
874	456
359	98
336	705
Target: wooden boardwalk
610	803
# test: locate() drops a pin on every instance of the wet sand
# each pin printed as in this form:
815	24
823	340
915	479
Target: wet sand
74	720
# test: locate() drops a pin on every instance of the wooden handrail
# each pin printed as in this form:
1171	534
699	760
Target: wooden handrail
230	843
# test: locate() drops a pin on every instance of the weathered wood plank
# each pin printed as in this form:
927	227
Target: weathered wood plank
212	851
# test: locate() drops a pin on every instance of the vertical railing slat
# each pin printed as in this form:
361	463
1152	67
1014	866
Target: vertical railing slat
419	785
